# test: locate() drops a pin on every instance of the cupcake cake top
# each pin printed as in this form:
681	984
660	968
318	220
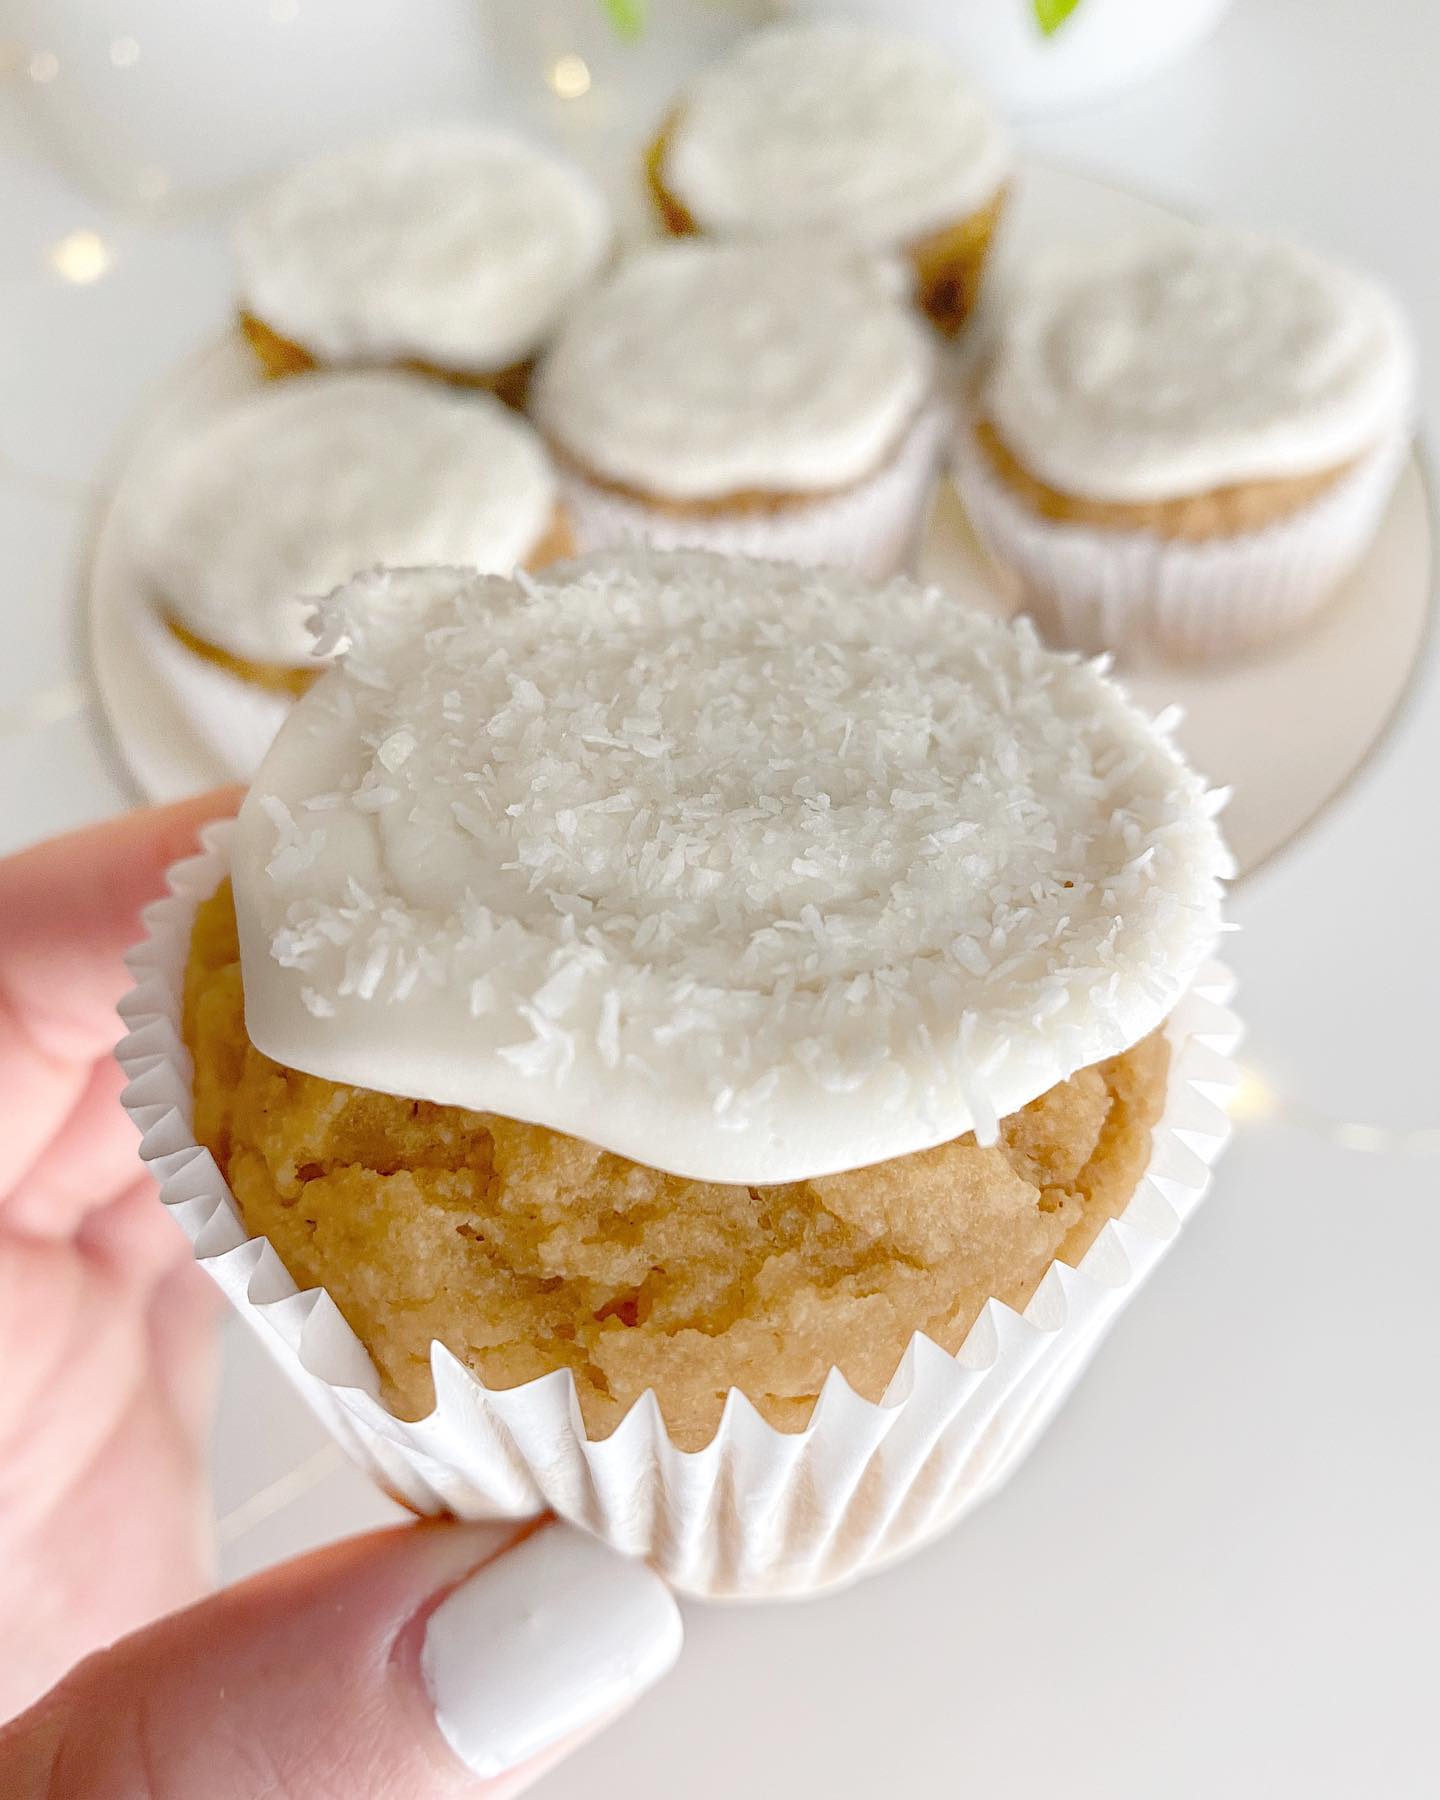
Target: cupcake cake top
744	871
1205	360
295	489
456	246
833	125
703	371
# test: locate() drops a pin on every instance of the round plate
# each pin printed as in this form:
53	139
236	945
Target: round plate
1286	730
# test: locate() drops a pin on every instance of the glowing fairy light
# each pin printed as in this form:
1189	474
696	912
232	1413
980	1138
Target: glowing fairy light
570	77
80	257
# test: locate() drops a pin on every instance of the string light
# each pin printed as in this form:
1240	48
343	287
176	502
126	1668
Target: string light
1256	1099
124	53
43	66
80	257
569	77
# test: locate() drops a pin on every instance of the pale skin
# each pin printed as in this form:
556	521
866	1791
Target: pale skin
303	1682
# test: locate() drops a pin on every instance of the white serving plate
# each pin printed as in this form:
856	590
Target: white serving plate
1287	730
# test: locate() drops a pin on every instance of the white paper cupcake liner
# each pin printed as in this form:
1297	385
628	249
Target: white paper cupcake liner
1098	589
871	527
758	1512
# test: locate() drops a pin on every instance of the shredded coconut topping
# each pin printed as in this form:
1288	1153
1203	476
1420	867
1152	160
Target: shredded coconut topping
747	871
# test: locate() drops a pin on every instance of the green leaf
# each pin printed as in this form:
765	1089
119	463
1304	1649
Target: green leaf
627	17
1050	15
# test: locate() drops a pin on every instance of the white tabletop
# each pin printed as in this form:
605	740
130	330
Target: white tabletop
1218	1574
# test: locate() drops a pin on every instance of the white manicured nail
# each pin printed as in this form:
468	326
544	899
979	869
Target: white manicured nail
545	1640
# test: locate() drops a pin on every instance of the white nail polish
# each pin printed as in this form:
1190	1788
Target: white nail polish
546	1639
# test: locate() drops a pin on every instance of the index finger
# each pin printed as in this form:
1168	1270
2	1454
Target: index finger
70	908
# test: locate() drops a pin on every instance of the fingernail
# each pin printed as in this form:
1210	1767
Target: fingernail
550	1637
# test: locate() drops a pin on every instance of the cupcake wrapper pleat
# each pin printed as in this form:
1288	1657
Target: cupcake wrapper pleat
872	526
758	1512
1098	589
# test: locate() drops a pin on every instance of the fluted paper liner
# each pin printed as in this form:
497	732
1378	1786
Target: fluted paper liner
757	1512
1096	589
870	527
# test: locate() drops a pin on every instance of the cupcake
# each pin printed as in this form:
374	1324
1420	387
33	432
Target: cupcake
296	488
833	127
775	400
1189	443
677	1013
453	251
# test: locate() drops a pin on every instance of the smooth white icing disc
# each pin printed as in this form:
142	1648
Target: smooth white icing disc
459	246
306	482
700	370
1209	358
741	870
835	126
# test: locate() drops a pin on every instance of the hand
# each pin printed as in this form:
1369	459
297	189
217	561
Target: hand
436	1659
105	1323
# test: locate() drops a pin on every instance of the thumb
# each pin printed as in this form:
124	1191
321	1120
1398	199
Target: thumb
436	1659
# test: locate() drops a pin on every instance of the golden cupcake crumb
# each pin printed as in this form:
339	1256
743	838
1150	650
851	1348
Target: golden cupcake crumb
281	356
524	1251
948	263
1219	512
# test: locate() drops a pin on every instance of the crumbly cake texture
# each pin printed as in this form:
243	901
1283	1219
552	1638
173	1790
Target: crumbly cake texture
1220	512
281	357
747	872
947	262
277	500
1206	360
457	246
835	126
701	371
524	1251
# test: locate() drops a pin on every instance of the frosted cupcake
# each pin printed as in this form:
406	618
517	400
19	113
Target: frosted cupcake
833	127
706	998
1188	444
289	493
776	400
455	251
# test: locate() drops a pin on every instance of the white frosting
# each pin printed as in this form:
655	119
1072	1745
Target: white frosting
457	246
745	871
833	125
1207	359
700	370
306	482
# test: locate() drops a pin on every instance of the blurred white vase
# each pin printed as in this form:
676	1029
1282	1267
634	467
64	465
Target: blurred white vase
1102	47
157	101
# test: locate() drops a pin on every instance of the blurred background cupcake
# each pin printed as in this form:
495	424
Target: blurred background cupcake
291	491
1186	444
455	251
835	127
772	398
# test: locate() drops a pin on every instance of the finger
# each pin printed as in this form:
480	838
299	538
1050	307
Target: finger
70	908
82	1166
434	1660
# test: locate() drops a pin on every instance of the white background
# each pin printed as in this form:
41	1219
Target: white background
1219	1574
